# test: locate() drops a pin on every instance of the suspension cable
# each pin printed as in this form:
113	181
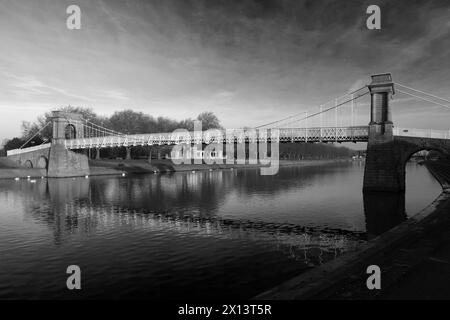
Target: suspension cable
422	98
35	134
323	111
90	126
105	129
428	94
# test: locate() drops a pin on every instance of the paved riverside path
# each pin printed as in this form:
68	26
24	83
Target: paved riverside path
430	277
414	259
416	268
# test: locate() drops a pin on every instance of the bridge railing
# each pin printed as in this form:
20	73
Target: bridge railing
422	133
326	134
29	149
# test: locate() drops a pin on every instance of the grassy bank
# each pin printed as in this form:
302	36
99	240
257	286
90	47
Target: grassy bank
105	167
11	170
22	173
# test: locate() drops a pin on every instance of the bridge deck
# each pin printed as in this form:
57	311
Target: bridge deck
282	135
422	133
29	149
330	134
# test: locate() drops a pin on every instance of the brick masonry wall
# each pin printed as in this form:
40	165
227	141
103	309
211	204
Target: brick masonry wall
34	157
66	163
386	161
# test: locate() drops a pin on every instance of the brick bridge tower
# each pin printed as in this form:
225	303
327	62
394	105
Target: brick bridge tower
380	126
67	125
387	154
62	161
381	170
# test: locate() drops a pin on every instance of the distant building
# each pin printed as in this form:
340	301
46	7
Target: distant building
193	153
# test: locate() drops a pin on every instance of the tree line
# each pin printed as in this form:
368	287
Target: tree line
124	121
134	122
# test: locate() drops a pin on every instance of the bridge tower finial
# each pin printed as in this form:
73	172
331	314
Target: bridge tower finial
381	126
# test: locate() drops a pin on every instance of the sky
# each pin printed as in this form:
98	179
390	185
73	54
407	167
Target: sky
248	61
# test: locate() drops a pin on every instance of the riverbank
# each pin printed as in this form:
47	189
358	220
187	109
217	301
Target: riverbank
414	258
11	170
106	167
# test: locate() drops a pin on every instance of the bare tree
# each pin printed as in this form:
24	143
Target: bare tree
209	120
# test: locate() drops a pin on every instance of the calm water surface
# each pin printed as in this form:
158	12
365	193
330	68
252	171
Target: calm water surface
189	235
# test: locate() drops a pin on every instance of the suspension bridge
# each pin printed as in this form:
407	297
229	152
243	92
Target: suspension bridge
388	147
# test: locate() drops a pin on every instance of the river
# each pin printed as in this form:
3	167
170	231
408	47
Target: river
208	234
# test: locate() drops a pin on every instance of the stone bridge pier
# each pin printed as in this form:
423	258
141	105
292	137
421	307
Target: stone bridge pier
62	161
387	154
54	157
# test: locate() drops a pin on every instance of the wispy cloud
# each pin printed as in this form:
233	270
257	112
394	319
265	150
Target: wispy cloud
258	59
116	94
29	85
224	95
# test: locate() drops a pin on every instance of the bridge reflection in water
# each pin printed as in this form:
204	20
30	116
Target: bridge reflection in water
81	205
158	227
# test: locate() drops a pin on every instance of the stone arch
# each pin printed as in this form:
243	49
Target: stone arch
42	162
425	146
28	164
70	132
417	146
385	168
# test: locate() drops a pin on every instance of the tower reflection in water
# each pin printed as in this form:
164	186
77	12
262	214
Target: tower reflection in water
383	211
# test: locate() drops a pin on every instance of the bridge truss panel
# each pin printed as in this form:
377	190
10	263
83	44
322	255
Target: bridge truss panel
283	135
